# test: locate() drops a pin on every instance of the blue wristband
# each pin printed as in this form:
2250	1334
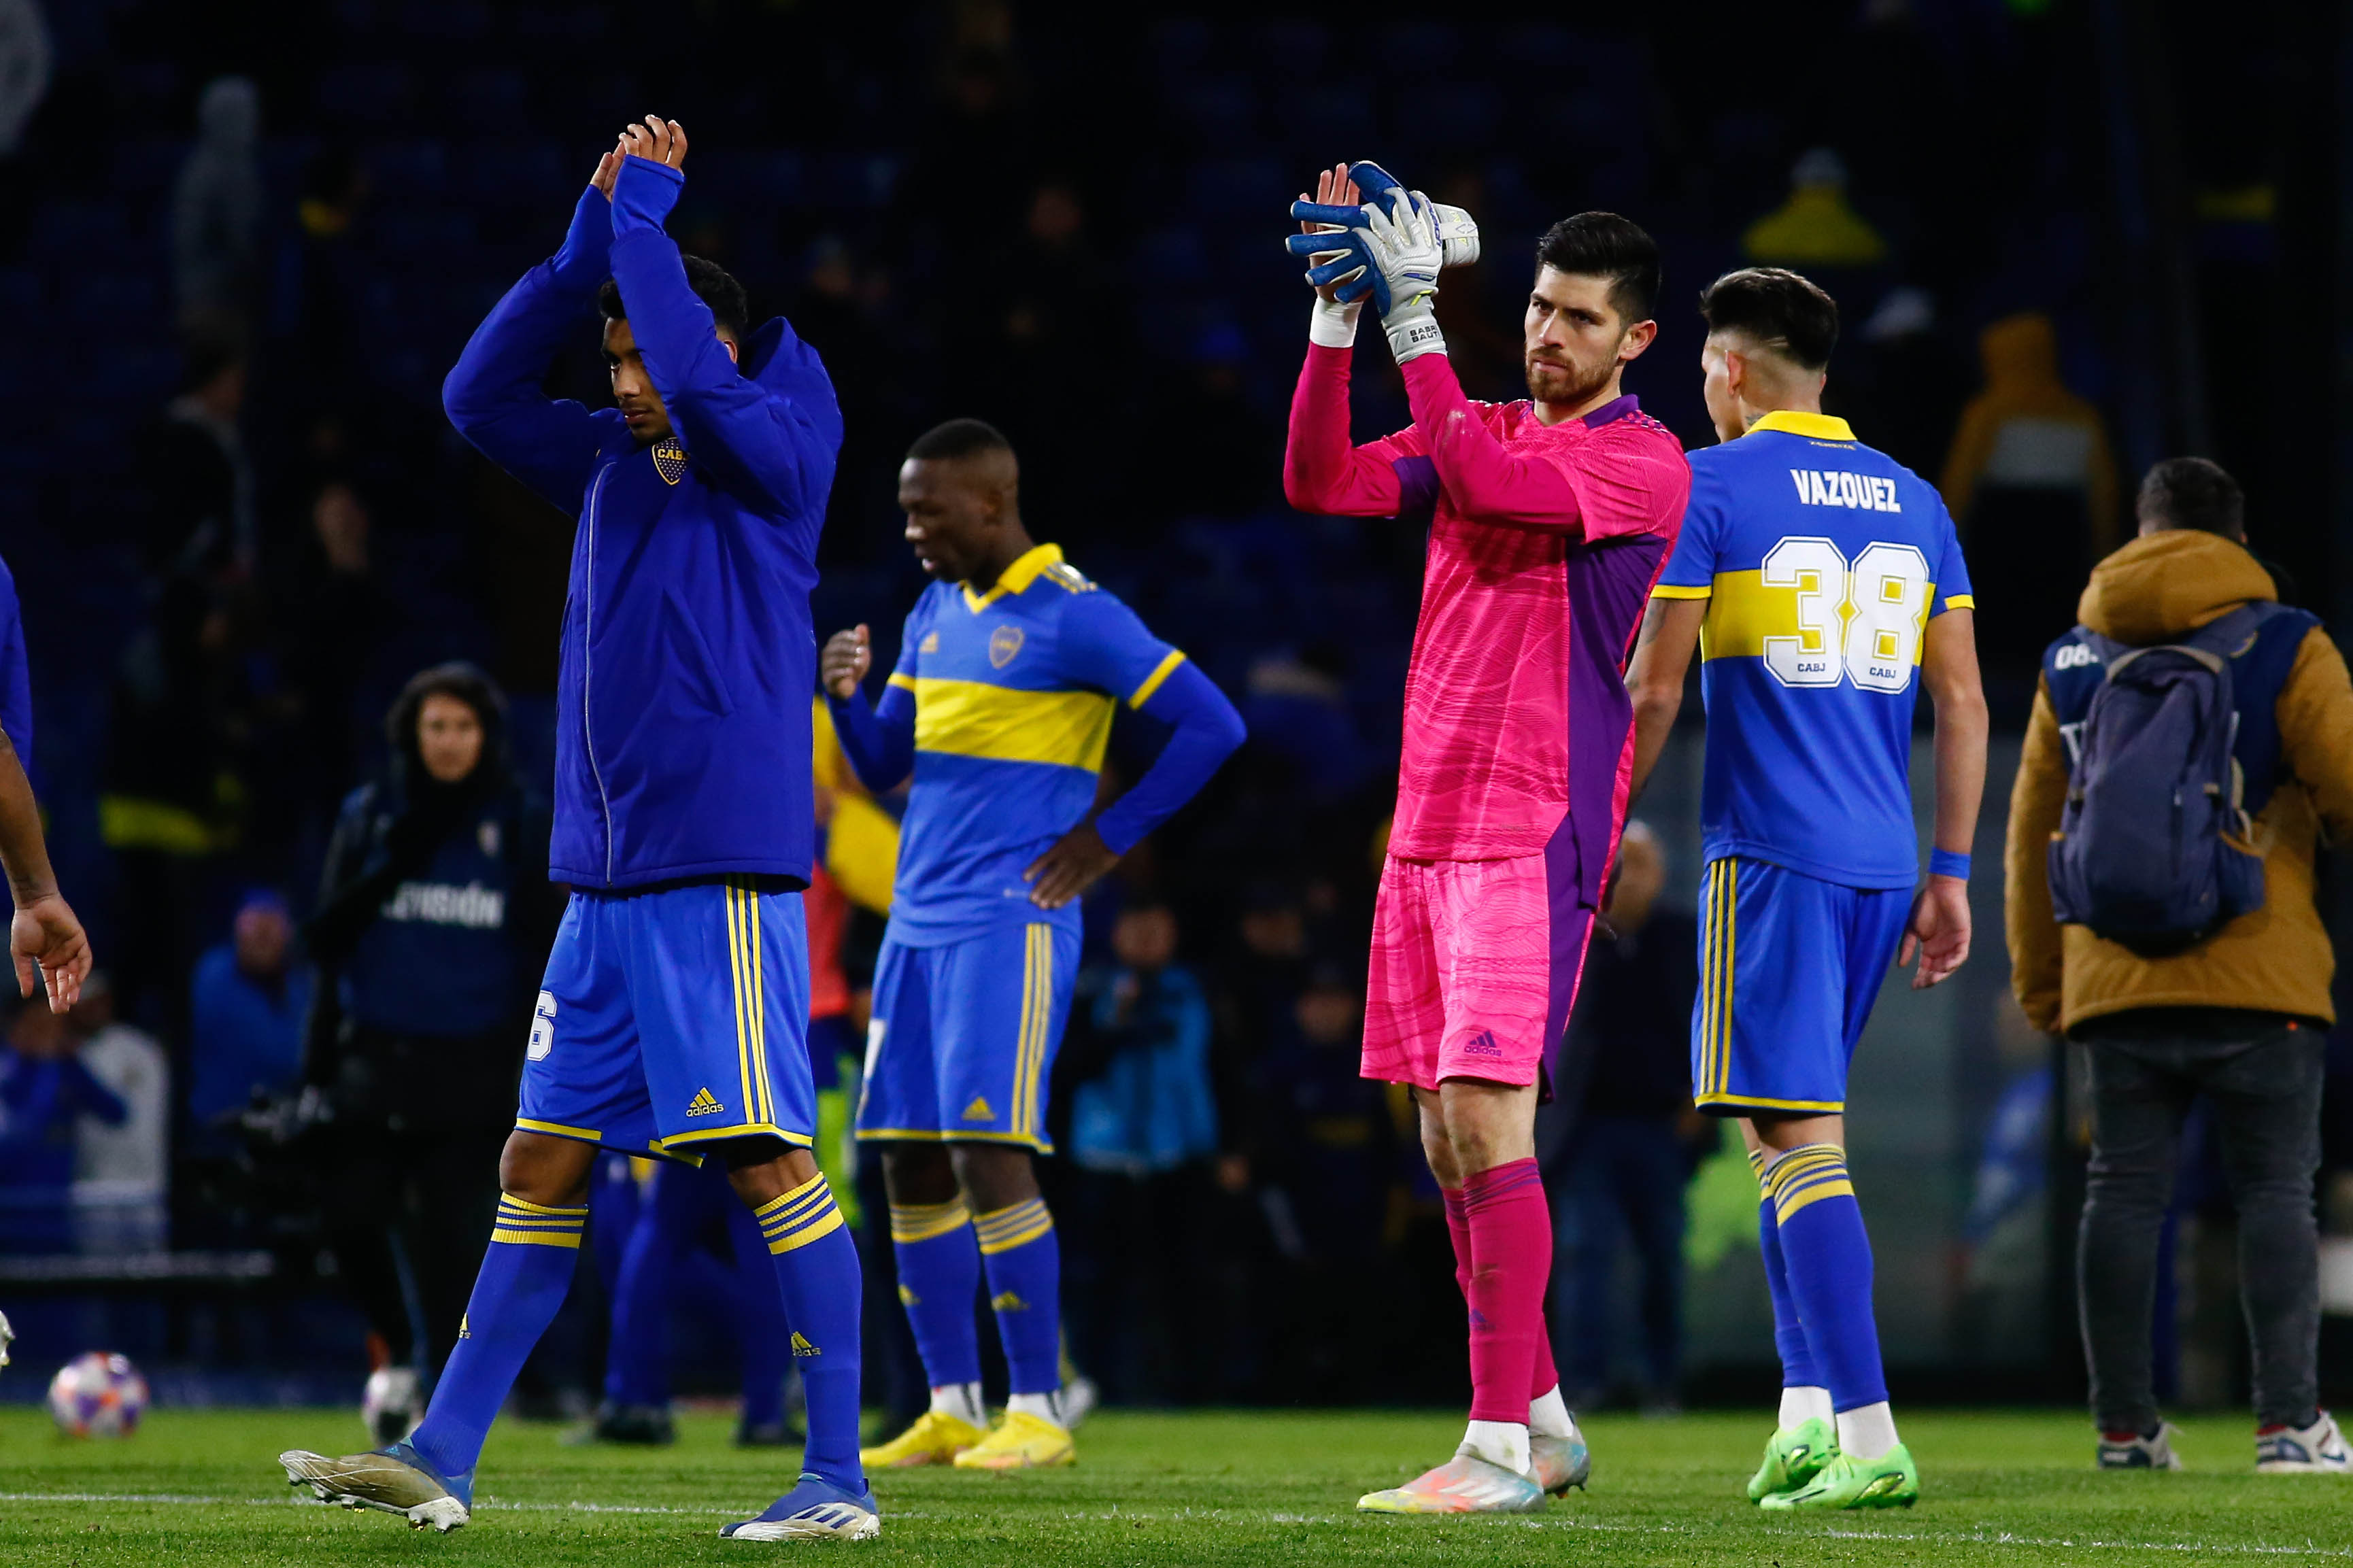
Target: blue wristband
1947	863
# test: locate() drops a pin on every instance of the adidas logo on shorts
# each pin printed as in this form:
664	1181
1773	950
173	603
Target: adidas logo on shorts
802	1347
1482	1044
703	1104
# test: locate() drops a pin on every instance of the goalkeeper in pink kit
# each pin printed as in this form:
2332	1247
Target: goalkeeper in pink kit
1549	520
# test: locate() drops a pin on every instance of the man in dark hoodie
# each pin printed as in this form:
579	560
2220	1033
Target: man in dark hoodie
438	868
2239	1018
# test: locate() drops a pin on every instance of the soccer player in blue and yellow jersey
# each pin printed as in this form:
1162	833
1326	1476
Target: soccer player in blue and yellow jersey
1009	671
1823	585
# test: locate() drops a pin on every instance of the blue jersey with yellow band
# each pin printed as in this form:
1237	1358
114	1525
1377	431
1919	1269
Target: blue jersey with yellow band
1014	691
1823	562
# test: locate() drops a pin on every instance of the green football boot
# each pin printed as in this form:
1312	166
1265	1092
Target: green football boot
1793	1455
1891	1480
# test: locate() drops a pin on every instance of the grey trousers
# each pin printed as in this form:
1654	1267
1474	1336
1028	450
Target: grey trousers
2262	1073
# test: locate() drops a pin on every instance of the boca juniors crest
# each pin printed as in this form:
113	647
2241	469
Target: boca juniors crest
1003	644
670	462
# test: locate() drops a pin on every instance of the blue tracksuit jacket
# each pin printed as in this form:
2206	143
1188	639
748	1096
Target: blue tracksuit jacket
682	743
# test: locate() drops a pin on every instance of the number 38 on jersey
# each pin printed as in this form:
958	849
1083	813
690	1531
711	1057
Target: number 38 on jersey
1856	621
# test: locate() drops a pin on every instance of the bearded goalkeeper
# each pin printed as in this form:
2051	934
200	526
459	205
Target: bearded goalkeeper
1550	519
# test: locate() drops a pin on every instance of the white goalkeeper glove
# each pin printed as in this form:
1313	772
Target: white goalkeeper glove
1405	252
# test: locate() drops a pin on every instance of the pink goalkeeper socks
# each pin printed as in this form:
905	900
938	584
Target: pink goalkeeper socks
1543	1377
1509	1230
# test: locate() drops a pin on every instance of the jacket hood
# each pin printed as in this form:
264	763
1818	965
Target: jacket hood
2020	352
777	358
2163	585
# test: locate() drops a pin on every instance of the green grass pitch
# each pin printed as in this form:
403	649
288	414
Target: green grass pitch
199	1487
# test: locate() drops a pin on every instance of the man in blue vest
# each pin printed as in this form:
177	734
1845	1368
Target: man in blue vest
2240	1018
672	1017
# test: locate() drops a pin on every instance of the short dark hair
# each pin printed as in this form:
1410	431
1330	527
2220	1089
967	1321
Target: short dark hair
1603	244
1791	314
731	307
958	438
2192	492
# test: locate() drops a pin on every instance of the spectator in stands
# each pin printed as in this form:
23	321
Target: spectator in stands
216	208
44	1092
172	796
2030	482
1263	969
1629	1155
1815	228
122	1169
1329	1158
24	69
2239	1018
1143	1126
194	469
341	617
438	870
246	1007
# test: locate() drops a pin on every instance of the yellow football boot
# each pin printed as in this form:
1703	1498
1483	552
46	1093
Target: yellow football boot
935	1439
1020	1442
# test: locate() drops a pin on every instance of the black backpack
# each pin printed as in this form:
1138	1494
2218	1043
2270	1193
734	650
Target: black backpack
2152	851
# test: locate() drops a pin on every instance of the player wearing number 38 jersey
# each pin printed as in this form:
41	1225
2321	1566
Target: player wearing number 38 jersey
1824	587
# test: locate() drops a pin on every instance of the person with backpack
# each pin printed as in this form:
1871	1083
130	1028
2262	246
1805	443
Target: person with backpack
2189	741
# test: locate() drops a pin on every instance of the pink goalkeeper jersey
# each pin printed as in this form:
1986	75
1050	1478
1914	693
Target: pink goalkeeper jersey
1543	544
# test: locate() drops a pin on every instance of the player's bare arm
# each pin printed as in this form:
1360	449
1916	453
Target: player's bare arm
847	656
1939	931
45	936
1662	657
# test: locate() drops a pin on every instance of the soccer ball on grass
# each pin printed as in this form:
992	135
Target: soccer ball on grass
97	1393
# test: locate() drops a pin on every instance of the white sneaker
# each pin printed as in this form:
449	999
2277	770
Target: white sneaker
2151	1453
2315	1450
391	1404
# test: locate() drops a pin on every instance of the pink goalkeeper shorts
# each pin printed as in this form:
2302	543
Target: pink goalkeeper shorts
1474	969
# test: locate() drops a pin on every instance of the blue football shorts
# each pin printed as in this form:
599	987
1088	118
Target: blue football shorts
674	1017
964	1034
1789	967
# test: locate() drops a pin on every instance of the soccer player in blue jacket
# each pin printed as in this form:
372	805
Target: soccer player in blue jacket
1824	587
672	1016
1009	671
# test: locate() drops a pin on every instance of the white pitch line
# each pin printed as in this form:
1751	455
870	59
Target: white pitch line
1934	1537
495	1504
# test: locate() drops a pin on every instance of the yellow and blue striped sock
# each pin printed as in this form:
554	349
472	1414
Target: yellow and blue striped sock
1023	1258
817	1265
1788	1334
1827	1253
939	1274
525	1274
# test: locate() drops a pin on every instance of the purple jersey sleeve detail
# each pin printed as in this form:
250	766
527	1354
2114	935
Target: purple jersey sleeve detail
1416	489
1607	586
